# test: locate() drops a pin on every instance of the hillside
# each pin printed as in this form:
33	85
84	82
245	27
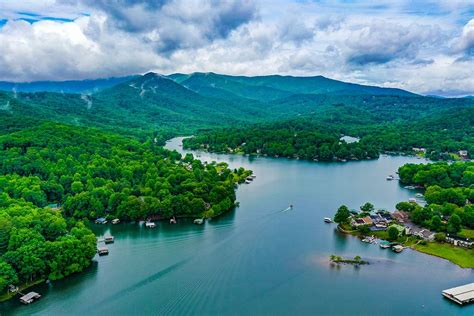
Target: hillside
267	88
316	136
184	104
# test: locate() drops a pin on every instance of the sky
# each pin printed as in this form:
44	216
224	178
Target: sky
423	46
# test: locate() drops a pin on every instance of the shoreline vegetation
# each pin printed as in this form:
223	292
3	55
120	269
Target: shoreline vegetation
340	260
460	256
55	177
443	227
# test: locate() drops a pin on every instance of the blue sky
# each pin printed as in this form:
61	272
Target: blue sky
422	46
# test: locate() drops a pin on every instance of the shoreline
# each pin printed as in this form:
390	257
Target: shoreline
440	247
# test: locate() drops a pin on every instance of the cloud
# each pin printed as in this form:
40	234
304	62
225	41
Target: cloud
423	47
381	42
173	24
465	43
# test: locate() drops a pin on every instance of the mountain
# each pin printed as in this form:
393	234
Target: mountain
73	86
184	104
274	87
143	104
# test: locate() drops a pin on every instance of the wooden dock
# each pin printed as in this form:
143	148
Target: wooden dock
29	298
462	294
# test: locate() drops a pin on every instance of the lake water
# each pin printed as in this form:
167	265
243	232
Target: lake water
259	259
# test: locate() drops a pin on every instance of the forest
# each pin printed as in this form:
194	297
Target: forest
91	173
317	137
449	195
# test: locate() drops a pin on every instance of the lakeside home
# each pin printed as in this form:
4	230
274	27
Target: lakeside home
460	241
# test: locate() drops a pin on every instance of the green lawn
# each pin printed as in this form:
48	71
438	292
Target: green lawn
460	256
467	233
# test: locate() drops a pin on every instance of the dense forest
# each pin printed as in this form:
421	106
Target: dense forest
449	195
91	173
293	140
38	243
317	137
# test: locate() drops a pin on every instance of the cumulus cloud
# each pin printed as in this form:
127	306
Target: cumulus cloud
423	48
173	24
381	42
465	43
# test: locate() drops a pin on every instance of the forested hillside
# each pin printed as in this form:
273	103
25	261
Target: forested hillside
316	137
268	88
156	104
91	173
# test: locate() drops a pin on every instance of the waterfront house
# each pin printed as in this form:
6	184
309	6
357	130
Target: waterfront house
419	150
460	241
423	233
101	220
362	221
400	216
463	154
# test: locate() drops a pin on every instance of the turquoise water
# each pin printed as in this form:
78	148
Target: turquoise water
260	259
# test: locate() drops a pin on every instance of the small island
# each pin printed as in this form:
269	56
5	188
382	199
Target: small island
356	261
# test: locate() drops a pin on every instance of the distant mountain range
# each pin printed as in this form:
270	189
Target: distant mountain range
266	88
73	86
183	103
261	88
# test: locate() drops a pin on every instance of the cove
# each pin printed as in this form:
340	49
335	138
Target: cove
259	259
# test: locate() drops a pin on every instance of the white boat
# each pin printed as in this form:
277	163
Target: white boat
248	181
419	195
199	221
397	248
109	239
115	221
327	220
150	225
412	200
390	177
173	220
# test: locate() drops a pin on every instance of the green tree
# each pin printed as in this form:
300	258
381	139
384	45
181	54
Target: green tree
392	233
454	224
342	215
367	207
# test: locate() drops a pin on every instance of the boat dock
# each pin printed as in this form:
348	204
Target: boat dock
463	294
29	298
103	251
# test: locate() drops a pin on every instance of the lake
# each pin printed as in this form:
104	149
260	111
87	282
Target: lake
260	259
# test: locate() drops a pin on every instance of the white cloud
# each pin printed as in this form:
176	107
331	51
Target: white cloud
392	43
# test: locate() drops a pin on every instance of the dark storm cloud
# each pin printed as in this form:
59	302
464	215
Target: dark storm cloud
174	24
